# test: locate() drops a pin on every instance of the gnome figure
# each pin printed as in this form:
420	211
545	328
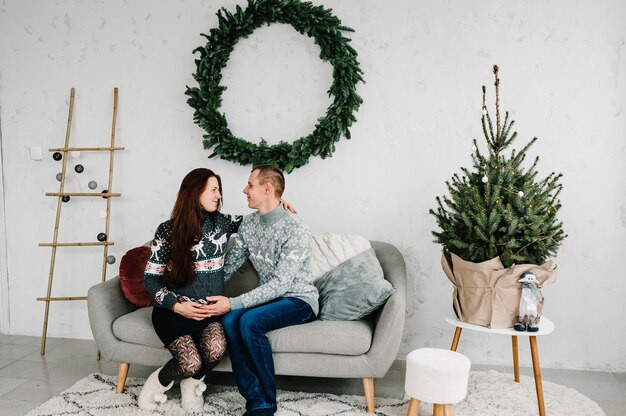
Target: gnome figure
528	319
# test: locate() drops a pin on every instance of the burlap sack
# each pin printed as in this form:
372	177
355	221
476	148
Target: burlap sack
487	293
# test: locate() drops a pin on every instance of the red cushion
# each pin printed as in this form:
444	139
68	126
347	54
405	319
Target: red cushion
131	276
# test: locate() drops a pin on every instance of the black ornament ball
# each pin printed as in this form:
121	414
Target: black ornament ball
79	168
102	237
110	259
65	198
57	155
106	191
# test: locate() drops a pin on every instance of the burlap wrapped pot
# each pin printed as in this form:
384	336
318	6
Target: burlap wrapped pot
487	293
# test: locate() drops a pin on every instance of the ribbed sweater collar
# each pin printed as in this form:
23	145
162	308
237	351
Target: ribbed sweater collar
274	215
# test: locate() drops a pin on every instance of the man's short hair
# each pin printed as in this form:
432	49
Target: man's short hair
271	173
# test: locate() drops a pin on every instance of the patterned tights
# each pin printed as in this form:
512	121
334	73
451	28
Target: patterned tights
194	356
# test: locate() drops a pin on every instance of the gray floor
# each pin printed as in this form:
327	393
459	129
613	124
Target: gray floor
27	379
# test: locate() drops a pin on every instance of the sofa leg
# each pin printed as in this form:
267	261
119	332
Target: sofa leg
368	387
122	373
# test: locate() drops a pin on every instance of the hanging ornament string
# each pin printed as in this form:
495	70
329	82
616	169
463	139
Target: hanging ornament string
206	98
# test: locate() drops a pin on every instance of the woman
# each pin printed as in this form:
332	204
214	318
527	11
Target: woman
186	266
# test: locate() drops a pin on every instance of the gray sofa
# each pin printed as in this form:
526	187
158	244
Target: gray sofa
342	349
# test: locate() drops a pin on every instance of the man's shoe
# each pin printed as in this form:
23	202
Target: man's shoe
191	390
153	392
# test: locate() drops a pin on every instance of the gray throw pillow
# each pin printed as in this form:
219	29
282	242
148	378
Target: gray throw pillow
353	289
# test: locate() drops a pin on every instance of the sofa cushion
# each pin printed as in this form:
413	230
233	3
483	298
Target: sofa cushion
326	337
136	327
353	289
132	267
328	250
243	280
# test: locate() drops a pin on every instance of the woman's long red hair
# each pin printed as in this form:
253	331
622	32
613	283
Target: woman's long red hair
186	222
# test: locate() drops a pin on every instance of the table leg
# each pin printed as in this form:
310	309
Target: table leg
414	407
537	370
455	341
515	358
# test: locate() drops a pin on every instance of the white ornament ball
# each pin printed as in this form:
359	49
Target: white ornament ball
484	111
59	176
474	148
485	179
102	214
75	154
110	259
520	194
92	184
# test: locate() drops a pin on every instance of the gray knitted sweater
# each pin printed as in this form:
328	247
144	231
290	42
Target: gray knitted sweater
279	246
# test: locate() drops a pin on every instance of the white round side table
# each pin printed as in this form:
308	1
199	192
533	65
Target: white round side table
546	326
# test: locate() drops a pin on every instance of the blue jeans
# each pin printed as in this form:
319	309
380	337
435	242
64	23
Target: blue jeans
250	350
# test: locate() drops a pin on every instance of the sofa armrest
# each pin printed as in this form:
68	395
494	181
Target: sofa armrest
106	303
389	323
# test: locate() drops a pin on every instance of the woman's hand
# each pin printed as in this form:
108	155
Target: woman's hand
191	310
218	305
288	206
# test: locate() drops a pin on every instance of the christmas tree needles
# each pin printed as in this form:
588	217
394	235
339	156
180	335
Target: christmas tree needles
500	208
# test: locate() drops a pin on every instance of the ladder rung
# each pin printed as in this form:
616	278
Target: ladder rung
94	243
84	149
65	298
81	194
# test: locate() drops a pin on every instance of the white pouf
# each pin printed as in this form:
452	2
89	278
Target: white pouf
437	376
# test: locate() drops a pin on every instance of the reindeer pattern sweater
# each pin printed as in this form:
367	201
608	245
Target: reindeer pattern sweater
279	246
208	264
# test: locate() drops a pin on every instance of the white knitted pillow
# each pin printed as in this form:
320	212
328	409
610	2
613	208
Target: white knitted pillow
330	249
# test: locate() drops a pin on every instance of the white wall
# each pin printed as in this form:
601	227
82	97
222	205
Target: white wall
562	70
4	280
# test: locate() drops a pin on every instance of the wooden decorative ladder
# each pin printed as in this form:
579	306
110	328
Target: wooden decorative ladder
108	194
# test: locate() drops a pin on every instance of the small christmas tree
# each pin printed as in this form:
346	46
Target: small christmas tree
499	208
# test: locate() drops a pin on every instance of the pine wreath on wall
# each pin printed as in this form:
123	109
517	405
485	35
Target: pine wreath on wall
206	99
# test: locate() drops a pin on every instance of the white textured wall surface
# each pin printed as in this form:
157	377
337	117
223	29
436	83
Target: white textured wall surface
4	281
563	79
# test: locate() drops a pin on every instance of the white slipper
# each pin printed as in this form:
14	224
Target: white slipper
153	392
191	390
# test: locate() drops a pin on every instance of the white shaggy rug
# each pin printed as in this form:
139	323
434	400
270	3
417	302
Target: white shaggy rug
489	393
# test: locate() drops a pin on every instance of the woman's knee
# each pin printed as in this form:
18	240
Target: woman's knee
214	341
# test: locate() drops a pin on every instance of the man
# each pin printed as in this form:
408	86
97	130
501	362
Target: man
279	246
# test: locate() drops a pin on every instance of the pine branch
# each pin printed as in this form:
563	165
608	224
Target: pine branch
497	84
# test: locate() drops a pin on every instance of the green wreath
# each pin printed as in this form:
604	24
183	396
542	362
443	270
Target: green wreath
206	99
